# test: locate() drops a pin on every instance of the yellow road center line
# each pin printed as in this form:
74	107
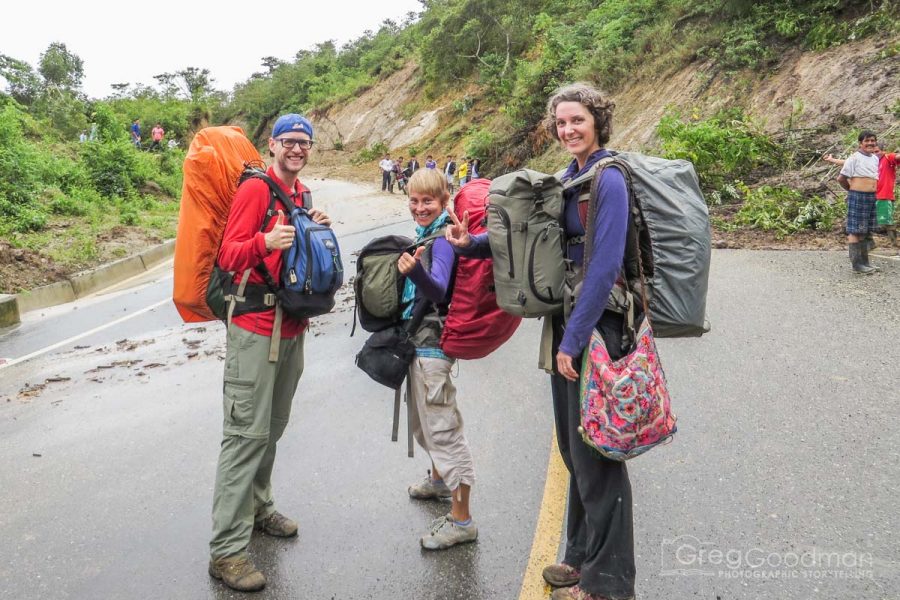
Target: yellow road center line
548	532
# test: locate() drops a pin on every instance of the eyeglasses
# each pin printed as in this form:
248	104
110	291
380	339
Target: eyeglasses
289	143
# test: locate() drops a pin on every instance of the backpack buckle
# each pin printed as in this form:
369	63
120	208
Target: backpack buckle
269	299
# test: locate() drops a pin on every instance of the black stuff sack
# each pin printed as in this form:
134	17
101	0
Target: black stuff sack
386	356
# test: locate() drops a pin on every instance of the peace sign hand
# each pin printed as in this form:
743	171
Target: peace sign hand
458	233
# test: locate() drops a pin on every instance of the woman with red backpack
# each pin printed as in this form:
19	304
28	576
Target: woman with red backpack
599	559
435	416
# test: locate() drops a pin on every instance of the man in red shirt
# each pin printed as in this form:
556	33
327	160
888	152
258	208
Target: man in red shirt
884	191
262	368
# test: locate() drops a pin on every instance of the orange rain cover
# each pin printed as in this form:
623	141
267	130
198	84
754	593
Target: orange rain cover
212	167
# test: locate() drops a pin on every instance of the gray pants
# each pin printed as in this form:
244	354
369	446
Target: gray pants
257	404
436	421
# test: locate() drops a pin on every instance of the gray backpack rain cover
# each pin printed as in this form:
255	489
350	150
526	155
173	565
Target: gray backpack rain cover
667	193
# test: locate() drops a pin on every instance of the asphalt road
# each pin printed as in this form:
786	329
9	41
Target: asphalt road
781	483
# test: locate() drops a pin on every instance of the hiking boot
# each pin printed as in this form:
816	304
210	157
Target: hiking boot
561	575
857	261
277	525
445	532
429	489
238	573
576	593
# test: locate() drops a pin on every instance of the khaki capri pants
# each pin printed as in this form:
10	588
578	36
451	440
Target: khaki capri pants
436	421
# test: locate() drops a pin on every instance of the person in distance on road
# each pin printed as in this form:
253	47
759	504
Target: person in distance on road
387	167
884	190
859	176
450	173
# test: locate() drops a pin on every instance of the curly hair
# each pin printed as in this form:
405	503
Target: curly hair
589	97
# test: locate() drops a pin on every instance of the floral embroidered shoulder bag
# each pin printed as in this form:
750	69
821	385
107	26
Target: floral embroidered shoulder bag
625	405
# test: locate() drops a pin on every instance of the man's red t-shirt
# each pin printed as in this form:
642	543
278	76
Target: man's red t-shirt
887	177
244	246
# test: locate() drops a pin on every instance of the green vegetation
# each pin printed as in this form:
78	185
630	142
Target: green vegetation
374	152
41	176
59	195
724	147
496	59
785	211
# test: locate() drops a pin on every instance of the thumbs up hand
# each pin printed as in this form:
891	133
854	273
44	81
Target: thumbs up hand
407	262
281	236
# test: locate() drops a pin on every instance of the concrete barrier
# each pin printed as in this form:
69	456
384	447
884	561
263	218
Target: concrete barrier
9	310
84	283
157	254
46	295
90	281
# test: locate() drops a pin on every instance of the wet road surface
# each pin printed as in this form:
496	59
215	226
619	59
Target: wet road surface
787	448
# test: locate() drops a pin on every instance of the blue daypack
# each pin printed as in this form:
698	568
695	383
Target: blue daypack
312	270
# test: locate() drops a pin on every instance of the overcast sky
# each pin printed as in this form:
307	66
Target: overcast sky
131	41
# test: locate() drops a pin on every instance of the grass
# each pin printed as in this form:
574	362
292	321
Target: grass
75	242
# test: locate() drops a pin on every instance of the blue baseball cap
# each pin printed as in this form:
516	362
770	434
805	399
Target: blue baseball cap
292	122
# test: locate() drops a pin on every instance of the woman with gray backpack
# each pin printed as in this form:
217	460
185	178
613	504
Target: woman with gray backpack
599	557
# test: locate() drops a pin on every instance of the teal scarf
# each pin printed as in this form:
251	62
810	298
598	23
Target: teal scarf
409	288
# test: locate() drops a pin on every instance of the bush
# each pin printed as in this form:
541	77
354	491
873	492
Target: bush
128	214
480	143
785	210
373	152
724	147
20	174
112	165
72	206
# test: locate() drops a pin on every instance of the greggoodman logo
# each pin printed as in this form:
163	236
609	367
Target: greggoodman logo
686	555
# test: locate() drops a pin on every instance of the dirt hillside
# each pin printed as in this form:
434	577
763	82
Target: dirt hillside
841	87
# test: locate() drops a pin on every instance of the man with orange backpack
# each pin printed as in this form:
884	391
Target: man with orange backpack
261	373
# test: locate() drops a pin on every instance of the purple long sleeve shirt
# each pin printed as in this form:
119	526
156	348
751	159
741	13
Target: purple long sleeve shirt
434	285
608	251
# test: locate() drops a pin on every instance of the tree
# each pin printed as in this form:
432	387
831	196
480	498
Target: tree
195	82
167	83
271	63
61	68
22	83
120	90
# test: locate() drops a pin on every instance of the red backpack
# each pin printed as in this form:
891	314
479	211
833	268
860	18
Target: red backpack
475	326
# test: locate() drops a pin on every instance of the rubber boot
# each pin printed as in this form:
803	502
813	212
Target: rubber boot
865	258
856	260
892	236
870	242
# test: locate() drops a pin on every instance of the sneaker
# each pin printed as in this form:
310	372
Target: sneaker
561	575
445	532
277	525
238	573
429	489
576	593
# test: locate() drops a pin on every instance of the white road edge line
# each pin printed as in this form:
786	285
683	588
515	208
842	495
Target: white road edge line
883	256
84	334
